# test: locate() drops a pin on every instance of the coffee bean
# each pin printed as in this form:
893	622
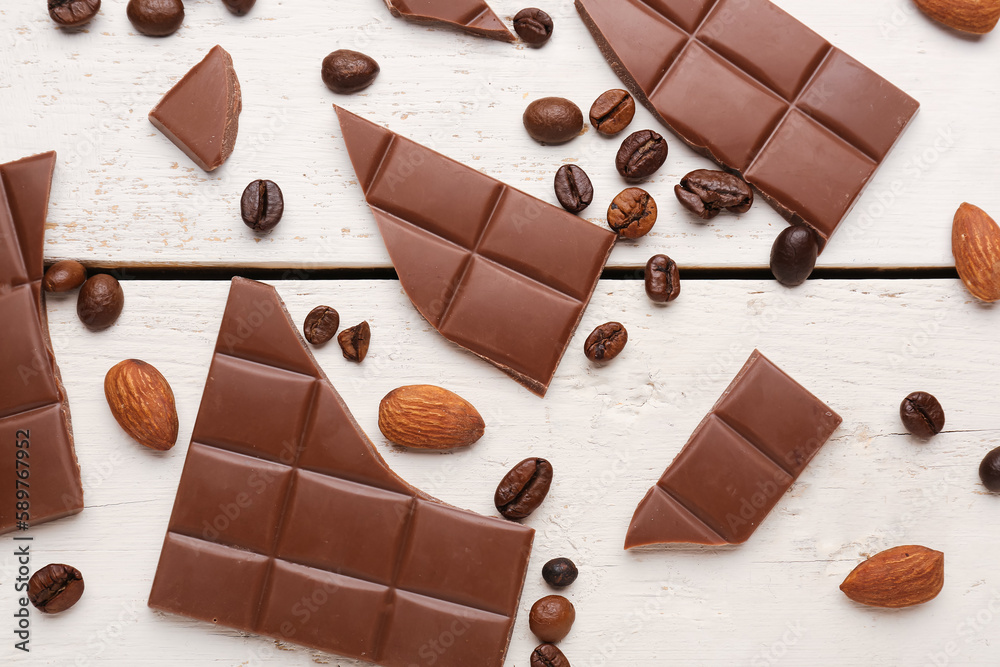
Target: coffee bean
156	18
573	188
523	488
632	213
559	572
640	155
533	26
73	13
262	205
321	325
606	342
347	71
548	655
989	471
64	276
793	255
239	7
612	112
663	279
551	618
100	302
707	192
553	120
922	414
354	342
55	588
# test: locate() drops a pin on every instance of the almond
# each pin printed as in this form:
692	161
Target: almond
975	242
143	404
429	417
900	577
975	16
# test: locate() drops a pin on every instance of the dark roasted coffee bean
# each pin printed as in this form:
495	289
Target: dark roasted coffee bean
548	655
793	255
156	18
72	13
354	342
663	279
706	192
989	471
100	302
922	414
612	112
523	489
573	188
321	325
533	26
551	618
553	120
64	276
239	7
55	588
606	342
559	572
632	213
640	155
347	71
262	205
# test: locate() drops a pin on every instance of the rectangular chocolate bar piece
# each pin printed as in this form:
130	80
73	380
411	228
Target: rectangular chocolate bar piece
288	523
739	462
746	84
36	441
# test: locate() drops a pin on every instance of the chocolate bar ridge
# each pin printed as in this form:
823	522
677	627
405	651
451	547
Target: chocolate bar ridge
493	269
747	85
472	16
283	498
738	463
34	411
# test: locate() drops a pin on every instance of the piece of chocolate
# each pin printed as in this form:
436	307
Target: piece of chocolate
749	86
34	413
493	269
472	16
201	113
739	462
285	506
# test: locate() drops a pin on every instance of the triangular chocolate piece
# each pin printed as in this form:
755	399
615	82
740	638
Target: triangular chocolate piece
283	495
201	113
458	237
659	518
472	16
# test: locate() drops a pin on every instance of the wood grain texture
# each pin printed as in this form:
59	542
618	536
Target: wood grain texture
124	195
609	430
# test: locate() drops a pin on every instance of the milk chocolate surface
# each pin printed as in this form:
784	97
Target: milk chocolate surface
739	462
749	86
472	16
201	113
285	505
493	269
34	413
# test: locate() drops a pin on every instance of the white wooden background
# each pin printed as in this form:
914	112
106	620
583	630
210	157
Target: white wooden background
125	197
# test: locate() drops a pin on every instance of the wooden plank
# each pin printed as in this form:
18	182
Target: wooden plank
609	431
125	196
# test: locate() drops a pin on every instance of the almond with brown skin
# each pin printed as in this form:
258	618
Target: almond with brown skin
143	403
900	577
428	417
975	242
975	16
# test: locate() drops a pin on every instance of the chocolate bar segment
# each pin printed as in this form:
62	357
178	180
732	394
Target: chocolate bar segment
746	84
739	462
472	16
284	504
493	269
34	413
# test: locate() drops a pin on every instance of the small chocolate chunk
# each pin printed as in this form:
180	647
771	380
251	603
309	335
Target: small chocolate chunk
262	205
100	302
55	588
73	13
523	488
533	26
64	276
321	325
553	120
551	618
156	18
793	255
922	414
345	71
641	154
632	213
707	192
662	278
606	342
560	572
573	188
354	342
612	111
